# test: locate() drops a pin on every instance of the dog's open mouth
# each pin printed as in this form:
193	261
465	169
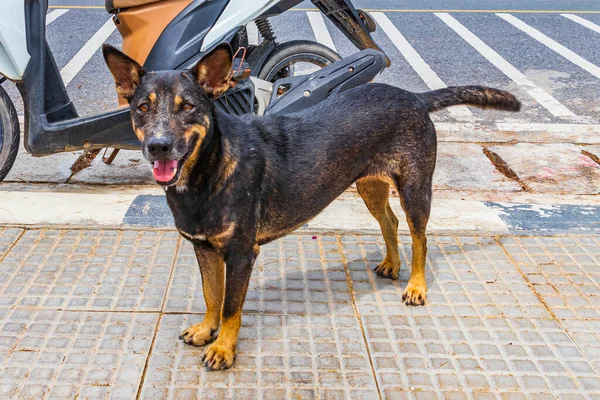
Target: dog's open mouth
165	170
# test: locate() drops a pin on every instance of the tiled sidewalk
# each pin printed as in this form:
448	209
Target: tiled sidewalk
96	314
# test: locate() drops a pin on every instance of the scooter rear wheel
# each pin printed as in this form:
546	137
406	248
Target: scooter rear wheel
281	62
10	134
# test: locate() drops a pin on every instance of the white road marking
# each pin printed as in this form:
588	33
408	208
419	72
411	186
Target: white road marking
552	44
583	21
550	128
521	127
546	100
431	79
320	29
84	54
51	17
506	132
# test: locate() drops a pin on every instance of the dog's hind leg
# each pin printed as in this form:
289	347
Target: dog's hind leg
375	193
415	197
212	270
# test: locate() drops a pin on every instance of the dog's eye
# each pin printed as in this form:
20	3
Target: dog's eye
143	107
188	107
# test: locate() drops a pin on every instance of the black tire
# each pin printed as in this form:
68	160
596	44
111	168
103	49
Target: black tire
10	134
296	51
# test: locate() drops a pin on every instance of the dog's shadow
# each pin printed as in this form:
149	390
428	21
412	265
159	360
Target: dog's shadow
284	282
311	286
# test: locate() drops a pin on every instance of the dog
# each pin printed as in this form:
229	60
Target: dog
234	183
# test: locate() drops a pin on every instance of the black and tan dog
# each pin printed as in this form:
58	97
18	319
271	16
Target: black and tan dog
235	183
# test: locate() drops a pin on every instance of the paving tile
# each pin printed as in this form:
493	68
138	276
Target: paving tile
565	272
64	354
294	275
482	331
513	317
586	334
552	168
463	166
476	354
88	270
466	276
8	237
279	356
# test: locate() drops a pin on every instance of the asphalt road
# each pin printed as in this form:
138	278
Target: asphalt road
546	52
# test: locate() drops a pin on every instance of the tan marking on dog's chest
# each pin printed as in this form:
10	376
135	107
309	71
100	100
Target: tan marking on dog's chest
193	238
218	240
221	239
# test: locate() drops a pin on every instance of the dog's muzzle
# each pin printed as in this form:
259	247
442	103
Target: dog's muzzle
164	167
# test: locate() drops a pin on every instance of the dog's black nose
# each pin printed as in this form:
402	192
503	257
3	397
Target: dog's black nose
160	146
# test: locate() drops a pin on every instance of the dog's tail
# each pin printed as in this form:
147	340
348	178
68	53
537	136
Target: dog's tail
477	96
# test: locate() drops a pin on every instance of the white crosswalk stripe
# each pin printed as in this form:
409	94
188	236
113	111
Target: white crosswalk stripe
541	96
73	67
431	79
583	21
552	44
320	29
52	16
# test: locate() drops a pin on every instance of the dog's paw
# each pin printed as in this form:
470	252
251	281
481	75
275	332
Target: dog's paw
218	357
198	335
415	294
387	269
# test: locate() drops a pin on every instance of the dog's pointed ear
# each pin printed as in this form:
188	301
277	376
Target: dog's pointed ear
125	71
213	70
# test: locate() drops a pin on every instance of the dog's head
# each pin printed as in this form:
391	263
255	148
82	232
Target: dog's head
171	110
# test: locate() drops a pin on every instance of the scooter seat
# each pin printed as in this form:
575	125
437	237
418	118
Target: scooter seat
113	5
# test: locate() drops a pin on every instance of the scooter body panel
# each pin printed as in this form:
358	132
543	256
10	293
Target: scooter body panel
237	13
13	42
142	26
183	37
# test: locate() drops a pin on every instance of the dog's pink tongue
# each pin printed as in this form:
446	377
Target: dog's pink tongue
164	171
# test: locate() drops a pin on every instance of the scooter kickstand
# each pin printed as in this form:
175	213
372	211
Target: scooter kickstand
108	160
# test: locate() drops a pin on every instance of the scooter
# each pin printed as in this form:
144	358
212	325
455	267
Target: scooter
173	34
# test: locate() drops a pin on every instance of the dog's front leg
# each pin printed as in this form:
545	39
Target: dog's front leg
239	262
212	270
